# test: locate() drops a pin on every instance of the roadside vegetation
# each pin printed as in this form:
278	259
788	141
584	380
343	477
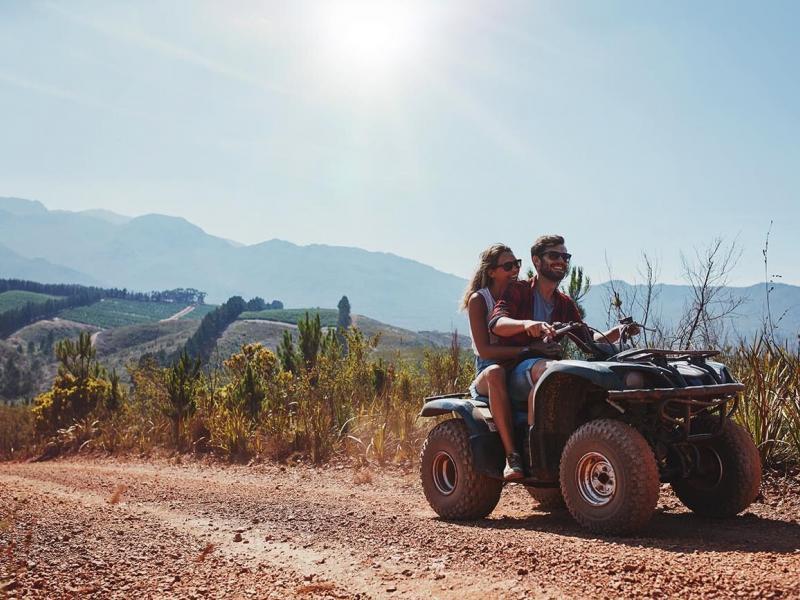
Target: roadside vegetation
317	397
325	394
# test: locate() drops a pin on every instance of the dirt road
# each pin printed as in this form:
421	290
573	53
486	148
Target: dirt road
102	528
179	314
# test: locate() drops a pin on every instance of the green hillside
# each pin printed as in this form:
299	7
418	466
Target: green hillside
112	312
121	346
328	316
19	298
199	311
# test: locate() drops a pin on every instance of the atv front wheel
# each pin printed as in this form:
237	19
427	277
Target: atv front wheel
609	477
547	498
727	475
452	486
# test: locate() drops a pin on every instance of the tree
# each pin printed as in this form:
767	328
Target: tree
182	383
256	304
309	339
578	288
250	372
79	387
711	303
287	354
344	320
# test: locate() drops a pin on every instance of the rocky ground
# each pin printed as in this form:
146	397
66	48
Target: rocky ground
123	529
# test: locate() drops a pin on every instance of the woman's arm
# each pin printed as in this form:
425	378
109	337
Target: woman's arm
476	309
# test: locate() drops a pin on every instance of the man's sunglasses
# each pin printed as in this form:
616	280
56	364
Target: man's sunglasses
553	255
508	265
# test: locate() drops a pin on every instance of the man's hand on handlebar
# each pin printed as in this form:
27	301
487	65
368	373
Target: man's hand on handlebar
539	329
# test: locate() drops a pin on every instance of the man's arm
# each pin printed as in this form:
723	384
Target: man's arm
476	308
504	321
506	327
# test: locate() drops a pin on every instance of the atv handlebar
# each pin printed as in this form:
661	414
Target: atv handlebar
583	336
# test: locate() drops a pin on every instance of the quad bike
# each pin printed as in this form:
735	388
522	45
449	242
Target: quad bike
607	432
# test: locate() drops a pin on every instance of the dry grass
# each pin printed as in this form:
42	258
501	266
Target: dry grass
770	405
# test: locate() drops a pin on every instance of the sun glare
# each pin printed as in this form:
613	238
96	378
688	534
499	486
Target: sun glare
372	40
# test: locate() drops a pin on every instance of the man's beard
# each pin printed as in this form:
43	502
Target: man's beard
552	275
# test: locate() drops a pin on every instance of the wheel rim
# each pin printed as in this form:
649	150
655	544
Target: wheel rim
708	473
597	482
445	475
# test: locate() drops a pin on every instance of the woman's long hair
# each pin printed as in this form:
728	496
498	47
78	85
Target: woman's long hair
487	260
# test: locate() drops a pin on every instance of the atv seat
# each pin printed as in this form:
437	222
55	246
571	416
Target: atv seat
519	414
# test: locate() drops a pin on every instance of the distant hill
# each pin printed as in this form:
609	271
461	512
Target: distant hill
14	266
159	252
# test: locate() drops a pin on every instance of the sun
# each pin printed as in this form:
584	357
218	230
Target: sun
371	40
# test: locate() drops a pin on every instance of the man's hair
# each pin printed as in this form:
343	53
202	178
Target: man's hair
545	241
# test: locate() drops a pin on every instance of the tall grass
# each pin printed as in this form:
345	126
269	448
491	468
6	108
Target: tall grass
770	405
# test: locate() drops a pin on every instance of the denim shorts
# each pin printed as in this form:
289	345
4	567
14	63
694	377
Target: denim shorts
519	381
480	365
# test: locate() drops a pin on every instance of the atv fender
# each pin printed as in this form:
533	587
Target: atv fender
487	449
472	411
561	397
596	373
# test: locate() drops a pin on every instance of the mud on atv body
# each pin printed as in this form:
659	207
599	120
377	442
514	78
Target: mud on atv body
606	433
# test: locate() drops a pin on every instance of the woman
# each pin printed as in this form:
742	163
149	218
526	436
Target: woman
498	266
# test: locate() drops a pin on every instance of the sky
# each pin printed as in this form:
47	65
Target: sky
429	129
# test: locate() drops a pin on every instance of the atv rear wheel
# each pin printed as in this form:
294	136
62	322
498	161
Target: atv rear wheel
609	477
452	486
547	498
729	473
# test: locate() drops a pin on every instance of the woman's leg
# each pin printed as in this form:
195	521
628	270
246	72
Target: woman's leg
492	382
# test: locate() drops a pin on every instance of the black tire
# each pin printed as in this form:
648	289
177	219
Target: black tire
452	486
731	477
609	477
547	498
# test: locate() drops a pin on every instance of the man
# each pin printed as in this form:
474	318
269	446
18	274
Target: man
528	308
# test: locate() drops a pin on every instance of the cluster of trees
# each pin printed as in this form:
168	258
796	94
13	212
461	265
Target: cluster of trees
181	295
202	343
258	303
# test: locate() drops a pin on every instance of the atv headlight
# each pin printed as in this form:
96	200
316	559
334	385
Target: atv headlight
722	371
634	380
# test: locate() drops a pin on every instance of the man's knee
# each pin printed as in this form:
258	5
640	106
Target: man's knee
539	368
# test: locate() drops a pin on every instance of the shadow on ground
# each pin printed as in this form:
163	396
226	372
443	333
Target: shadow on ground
680	533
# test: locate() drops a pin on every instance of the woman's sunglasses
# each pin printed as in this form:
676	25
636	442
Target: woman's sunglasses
553	255
508	265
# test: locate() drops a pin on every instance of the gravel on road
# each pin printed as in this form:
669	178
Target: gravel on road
125	529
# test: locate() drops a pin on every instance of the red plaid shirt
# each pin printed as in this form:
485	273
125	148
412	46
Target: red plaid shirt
517	303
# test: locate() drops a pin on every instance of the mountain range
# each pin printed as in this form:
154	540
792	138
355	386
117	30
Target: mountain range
99	247
160	252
